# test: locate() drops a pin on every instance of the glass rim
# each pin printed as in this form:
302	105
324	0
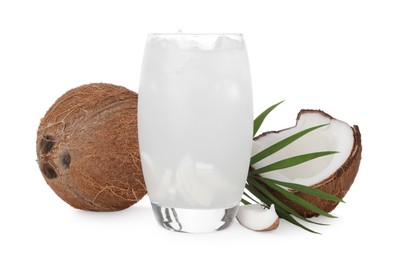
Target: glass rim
195	34
196	41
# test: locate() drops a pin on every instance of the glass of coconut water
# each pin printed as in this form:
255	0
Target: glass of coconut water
195	126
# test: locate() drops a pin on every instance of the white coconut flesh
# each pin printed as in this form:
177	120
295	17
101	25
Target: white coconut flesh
336	136
257	217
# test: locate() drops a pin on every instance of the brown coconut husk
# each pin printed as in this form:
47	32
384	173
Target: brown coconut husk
87	148
272	227
336	184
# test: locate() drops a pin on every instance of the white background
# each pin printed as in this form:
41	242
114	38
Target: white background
343	57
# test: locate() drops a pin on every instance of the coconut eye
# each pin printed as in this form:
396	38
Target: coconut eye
46	144
66	160
49	171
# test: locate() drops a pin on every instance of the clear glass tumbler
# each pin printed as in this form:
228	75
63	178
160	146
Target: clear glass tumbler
195	128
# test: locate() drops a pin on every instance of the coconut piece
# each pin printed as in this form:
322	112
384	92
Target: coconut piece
87	148
333	174
258	217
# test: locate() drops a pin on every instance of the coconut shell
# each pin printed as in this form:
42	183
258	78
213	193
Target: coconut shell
336	184
87	148
273	226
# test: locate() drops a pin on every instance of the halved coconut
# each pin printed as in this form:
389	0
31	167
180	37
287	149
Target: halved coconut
258	217
333	174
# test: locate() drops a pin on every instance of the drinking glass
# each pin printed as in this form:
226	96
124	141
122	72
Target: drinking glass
195	125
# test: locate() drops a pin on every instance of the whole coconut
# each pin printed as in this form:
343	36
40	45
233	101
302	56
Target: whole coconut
87	148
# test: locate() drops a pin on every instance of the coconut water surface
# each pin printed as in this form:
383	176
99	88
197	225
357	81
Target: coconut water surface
195	120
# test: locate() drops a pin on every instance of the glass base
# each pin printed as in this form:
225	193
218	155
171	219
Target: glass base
194	220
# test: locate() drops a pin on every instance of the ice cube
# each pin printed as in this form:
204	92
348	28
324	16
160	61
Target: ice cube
227	43
190	187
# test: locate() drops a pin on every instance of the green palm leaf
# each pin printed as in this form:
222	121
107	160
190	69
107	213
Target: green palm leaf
294	198
262	192
259	120
306	189
249	197
245	202
281	144
289	218
292	161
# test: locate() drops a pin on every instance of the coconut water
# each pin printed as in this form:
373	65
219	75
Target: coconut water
195	120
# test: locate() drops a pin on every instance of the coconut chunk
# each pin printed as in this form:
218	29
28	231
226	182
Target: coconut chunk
258	217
